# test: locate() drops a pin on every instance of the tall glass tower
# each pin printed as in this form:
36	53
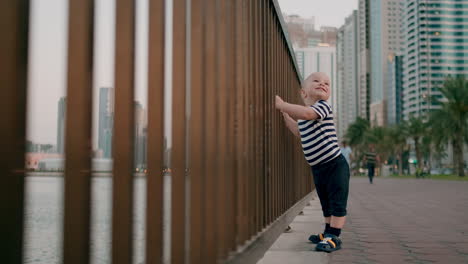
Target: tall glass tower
347	97
62	106
106	121
436	46
385	39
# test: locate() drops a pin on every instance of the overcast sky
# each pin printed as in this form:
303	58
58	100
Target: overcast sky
47	53
326	12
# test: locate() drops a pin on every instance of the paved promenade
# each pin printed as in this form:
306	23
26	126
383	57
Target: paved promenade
390	221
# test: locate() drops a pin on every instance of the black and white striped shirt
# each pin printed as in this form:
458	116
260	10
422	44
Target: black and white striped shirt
318	137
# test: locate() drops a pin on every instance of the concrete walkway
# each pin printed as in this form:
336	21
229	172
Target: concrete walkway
293	247
391	221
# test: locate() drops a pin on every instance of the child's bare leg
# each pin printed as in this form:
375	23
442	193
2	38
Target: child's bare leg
327	220
337	222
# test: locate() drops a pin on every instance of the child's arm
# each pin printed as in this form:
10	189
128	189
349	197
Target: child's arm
296	111
291	124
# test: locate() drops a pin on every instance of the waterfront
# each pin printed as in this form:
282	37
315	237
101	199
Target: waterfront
44	219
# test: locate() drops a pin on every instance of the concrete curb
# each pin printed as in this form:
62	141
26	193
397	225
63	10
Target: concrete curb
293	247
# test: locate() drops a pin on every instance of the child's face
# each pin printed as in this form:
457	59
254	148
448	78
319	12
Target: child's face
316	87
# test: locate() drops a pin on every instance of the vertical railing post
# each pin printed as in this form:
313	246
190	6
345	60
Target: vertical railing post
197	144
123	139
231	14
78	132
178	132
223	172
14	27
154	182
211	158
240	113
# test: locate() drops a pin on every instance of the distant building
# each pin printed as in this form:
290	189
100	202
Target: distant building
52	164
167	154
32	147
106	121
318	59
363	60
328	35
386	17
436	46
62	104
303	34
32	160
141	124
58	164
346	110
306	24
104	165
394	90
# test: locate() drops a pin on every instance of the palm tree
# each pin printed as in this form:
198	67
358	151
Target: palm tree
388	142
450	122
397	139
378	137
356	137
415	128
356	131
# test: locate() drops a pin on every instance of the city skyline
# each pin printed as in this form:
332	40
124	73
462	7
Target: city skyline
386	18
47	63
411	47
47	56
105	128
439	50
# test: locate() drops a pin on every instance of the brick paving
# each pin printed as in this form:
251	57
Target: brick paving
405	221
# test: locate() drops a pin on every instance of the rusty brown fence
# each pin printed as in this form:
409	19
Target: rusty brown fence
238	176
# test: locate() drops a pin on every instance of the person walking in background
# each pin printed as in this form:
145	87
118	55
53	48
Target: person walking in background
370	159
346	151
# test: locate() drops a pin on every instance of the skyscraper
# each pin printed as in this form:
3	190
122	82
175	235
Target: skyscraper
106	121
394	89
364	60
62	104
436	35
386	18
141	124
346	110
318	59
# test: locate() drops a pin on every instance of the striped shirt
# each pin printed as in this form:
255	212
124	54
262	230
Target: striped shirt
318	137
371	158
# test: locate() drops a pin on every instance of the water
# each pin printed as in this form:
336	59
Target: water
44	219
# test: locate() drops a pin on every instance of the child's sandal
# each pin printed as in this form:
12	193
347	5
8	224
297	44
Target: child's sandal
316	238
329	244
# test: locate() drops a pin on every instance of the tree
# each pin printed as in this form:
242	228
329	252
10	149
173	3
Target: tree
427	146
415	128
357	131
378	136
397	138
450	122
389	143
356	137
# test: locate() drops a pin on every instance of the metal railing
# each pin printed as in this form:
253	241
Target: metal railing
238	175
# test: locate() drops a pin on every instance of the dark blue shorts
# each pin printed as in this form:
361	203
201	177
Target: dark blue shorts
332	183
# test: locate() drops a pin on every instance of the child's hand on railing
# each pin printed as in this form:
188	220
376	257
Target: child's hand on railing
279	103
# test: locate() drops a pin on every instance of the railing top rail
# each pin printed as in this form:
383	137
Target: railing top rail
284	27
